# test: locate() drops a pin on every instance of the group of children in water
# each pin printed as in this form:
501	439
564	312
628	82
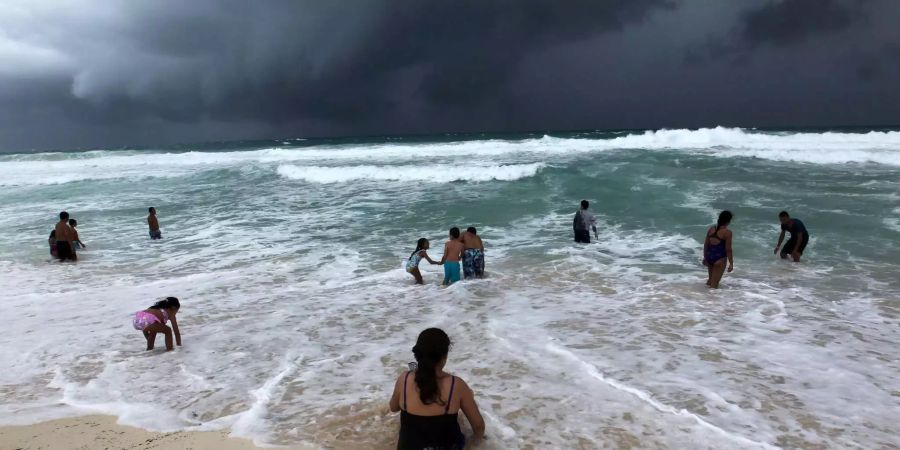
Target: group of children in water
466	248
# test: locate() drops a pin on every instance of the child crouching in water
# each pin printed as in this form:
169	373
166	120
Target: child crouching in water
412	264
153	320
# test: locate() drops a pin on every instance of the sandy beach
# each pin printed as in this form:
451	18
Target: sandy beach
102	432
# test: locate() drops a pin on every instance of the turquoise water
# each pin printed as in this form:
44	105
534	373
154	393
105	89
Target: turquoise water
298	316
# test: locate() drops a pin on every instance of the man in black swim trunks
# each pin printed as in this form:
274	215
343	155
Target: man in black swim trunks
798	240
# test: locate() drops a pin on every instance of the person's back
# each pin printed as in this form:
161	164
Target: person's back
453	251
583	222
64	236
429	399
473	254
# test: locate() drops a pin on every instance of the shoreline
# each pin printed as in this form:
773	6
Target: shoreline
100	431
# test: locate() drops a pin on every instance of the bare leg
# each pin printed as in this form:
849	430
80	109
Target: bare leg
159	328
417	275
709	273
149	342
718	269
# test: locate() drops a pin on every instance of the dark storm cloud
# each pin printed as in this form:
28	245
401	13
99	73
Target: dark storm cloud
82	72
780	23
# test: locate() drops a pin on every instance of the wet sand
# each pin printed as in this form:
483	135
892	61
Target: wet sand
102	432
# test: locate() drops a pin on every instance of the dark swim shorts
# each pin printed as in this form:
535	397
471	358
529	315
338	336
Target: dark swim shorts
583	236
156	234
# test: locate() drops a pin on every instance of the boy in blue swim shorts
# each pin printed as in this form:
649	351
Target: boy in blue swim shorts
453	251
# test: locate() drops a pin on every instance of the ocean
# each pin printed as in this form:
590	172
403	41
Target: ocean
297	315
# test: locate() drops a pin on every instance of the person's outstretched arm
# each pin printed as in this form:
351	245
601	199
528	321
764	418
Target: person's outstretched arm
175	329
470	409
780	240
424	254
728	251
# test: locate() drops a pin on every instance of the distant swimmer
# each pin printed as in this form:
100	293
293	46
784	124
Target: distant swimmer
64	236
429	400
453	251
154	225
473	254
583	223
796	244
153	320
412	263
76	241
52	241
717	248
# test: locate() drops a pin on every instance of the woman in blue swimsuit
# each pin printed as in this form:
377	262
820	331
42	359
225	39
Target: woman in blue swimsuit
717	248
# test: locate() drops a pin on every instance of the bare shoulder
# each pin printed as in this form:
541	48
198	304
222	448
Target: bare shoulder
462	384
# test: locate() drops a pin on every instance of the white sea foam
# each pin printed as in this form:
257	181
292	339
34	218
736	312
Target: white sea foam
433	174
815	148
882	147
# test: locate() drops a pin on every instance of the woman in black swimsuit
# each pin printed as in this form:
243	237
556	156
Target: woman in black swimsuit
430	399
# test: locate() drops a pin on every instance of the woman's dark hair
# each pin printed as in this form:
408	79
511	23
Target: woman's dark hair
420	245
784	214
431	348
472	230
73	222
166	303
724	218
53	233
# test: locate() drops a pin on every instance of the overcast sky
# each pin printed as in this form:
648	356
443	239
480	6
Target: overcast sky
80	73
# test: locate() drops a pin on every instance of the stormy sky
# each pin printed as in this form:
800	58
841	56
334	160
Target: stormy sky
80	73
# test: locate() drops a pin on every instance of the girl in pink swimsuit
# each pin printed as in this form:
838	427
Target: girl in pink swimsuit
153	320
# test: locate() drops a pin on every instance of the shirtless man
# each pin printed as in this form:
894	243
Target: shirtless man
798	240
154	225
473	254
453	251
64	237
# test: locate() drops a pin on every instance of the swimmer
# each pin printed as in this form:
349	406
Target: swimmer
583	223
153	320
155	233
52	242
412	264
796	244
76	242
717	248
453	251
430	400
473	254
64	235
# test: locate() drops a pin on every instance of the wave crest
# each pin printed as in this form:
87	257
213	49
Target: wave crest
434	174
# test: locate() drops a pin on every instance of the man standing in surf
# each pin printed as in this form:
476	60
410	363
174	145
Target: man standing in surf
796	244
154	225
583	223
